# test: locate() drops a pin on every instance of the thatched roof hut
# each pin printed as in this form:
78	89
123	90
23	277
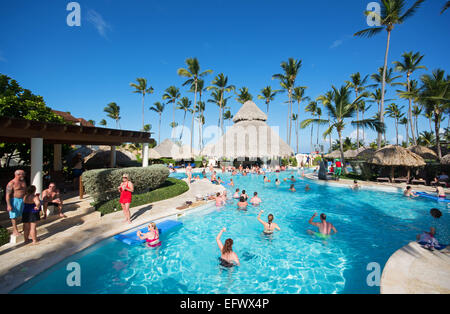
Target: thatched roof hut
334	154
445	160
102	158
352	154
250	136
423	152
169	149
366	153
396	156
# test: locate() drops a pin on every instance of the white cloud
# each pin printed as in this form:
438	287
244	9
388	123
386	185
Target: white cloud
99	23
336	43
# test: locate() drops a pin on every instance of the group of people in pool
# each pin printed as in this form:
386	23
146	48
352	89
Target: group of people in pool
440	193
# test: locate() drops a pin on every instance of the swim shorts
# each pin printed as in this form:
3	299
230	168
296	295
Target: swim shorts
321	235
17	208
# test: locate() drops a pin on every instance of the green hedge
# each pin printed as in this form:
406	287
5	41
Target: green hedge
171	188
102	184
4	236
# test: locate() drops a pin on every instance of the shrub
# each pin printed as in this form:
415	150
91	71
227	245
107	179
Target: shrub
4	236
293	161
171	188
102	184
317	161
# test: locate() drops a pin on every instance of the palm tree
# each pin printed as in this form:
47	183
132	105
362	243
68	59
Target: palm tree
312	109
404	121
295	119
363	107
394	112
446	6
102	122
416	112
392	13
268	95
200	108
358	85
141	88
221	101
299	96
227	115
113	112
193	74
426	139
171	95
220	85
185	105
409	65
435	96
287	79
325	100
159	109
244	95
340	109
147	127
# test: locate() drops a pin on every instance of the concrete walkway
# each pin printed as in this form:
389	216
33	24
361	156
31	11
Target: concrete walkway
415	270
22	262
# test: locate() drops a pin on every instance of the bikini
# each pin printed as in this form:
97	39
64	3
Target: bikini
153	242
268	231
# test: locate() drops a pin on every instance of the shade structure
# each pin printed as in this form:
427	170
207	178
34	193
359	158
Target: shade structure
445	160
333	155
169	149
393	155
249	137
366	153
423	152
153	154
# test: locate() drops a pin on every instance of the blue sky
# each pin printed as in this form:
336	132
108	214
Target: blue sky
82	69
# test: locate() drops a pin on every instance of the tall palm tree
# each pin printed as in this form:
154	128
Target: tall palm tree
358	85
298	95
416	112
102	122
268	95
404	121
227	116
244	95
287	79
142	88
113	112
185	105
193	74
409	65
172	94
394	112
220	85
159	109
295	119
392	13
435	96
326	99
341	109
312	109
200	108
220	100
363	107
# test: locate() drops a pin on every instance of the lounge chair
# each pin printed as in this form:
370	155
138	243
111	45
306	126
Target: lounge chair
383	180
401	180
418	181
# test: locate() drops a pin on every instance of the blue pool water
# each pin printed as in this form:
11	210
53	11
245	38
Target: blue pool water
371	226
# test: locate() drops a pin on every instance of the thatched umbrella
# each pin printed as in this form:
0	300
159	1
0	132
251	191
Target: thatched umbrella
352	154
445	160
333	155
366	153
250	136
423	152
396	156
153	154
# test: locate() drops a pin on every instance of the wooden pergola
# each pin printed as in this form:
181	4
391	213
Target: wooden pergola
37	133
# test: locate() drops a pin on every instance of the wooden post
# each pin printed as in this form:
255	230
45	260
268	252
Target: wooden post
81	190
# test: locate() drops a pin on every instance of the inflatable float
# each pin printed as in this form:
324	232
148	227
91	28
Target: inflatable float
131	237
432	197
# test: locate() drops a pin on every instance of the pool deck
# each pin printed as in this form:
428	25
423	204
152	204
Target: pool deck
19	262
411	269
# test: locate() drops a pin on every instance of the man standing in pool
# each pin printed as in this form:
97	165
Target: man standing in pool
325	227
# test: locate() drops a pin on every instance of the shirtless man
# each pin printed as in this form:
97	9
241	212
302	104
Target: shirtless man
409	192
51	197
15	191
255	200
325	227
440	192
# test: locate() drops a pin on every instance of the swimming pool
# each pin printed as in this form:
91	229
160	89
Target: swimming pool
371	226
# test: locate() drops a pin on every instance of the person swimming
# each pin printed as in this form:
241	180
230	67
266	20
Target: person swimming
355	185
292	188
277	182
151	237
292	179
325	227
236	194
231	182
307	188
269	226
409	192
244	194
219	200
242	204
228	258
255	199
440	192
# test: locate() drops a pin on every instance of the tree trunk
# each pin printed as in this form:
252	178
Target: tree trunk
143	123
396	131
182	129
437	125
410	113
193	117
383	88
357	119
341	148
159	130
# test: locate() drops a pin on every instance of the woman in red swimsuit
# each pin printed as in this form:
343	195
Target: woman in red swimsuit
125	189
